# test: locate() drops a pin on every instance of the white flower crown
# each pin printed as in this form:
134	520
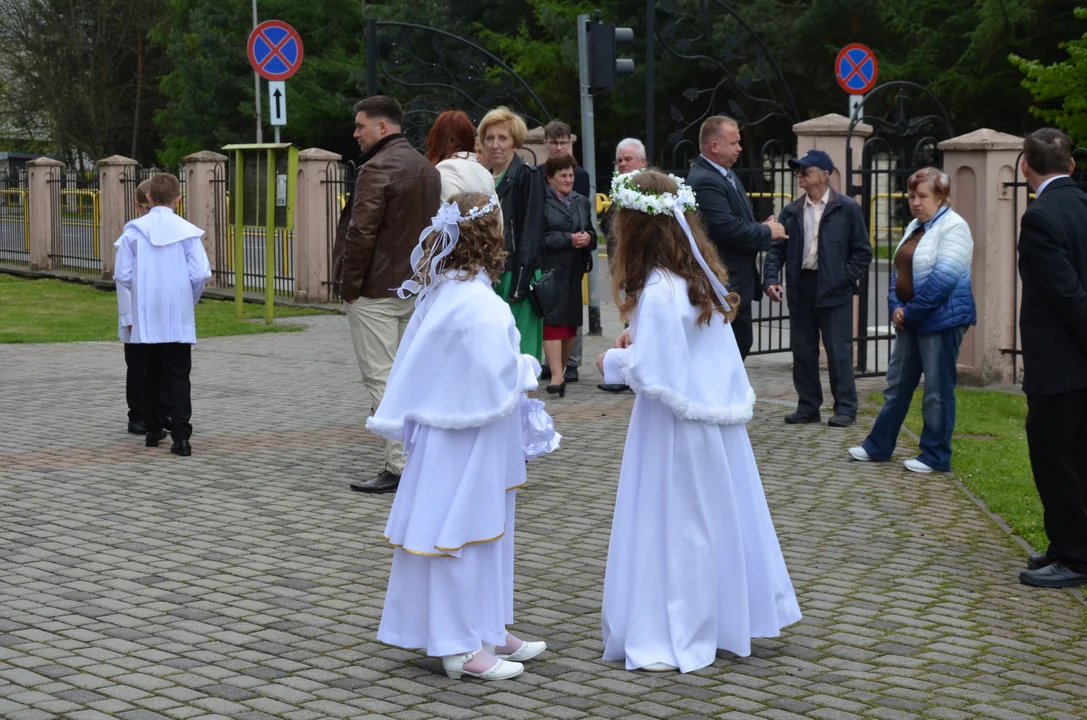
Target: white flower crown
625	195
476	212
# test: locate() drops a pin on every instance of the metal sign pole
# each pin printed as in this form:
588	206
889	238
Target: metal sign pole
256	85
588	154
270	239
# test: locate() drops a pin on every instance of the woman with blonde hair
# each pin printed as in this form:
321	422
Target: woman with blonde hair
520	189
694	563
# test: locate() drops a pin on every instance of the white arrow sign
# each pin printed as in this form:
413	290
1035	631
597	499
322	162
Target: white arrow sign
277	102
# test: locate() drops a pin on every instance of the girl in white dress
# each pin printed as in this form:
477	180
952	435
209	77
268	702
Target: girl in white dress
456	398
694	563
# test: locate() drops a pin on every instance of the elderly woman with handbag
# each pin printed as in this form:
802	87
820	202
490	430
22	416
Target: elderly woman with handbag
520	190
567	257
932	306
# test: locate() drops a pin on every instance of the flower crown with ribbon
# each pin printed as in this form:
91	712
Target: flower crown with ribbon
428	267
628	197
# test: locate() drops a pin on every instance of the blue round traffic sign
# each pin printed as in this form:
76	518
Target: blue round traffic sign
275	50
856	69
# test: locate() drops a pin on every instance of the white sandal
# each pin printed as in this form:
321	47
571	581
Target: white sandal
501	670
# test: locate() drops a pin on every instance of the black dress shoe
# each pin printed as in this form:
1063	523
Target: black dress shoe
570	375
545	374
154	437
799	418
136	428
1037	561
839	420
181	447
1054	575
613	387
386	482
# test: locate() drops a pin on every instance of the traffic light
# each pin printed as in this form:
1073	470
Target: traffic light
604	66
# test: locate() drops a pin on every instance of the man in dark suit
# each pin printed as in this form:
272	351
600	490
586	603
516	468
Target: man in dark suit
726	211
1053	324
827	253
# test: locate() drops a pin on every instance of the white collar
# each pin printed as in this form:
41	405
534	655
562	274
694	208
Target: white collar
721	169
822	201
1044	185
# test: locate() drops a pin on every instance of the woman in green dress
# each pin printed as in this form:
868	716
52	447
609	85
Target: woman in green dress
521	191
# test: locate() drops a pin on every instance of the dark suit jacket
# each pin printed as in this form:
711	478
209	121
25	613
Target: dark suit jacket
581	181
1053	267
732	227
843	251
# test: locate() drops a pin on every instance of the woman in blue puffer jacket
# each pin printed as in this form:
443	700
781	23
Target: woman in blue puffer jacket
932	306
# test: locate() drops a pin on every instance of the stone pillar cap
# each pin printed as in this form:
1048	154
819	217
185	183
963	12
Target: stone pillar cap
318	154
45	162
831	124
117	160
983	139
204	156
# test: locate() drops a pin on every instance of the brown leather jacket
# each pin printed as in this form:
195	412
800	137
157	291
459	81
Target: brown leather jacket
396	195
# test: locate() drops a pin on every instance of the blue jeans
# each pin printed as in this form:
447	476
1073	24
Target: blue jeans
935	356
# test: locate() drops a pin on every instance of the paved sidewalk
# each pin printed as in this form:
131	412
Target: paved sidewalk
246	582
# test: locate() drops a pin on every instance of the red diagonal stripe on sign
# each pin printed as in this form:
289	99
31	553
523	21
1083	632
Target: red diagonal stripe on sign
275	50
856	68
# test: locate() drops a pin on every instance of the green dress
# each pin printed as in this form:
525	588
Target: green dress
529	324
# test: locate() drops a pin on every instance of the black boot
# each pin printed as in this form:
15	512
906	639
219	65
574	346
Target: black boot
154	437
181	447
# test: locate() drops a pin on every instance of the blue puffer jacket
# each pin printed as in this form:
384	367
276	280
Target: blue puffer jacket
942	297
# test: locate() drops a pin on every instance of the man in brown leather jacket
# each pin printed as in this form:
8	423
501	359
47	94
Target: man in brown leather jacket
396	194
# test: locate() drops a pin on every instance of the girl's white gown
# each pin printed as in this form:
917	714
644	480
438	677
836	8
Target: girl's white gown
455	396
694	563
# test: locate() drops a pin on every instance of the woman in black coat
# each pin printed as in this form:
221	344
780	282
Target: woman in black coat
568	243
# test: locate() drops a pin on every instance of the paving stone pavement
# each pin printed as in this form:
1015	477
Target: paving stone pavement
246	582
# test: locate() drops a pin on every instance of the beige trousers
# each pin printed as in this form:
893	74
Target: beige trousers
377	325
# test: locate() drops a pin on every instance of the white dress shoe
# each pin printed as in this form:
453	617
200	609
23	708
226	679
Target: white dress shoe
658	667
527	651
501	670
858	453
917	466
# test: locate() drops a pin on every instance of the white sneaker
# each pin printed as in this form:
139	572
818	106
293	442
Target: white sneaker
501	670
858	453
659	667
527	651
917	466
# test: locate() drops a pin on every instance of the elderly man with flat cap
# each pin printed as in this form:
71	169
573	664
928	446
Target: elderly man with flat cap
826	253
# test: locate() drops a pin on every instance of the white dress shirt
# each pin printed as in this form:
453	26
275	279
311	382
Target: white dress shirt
1044	185
813	214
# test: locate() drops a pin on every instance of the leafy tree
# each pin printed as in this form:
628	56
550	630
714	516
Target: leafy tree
1060	89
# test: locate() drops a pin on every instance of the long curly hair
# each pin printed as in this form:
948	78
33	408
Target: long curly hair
481	245
645	242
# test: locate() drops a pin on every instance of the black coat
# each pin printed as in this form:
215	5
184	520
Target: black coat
732	227
521	194
1053	267
843	249
562	257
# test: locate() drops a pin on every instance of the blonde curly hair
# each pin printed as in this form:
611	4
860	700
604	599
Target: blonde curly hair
481	245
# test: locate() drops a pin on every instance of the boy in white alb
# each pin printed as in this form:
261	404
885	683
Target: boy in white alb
693	563
161	260
456	399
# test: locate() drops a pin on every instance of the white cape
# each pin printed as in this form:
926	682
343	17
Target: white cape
695	370
458	365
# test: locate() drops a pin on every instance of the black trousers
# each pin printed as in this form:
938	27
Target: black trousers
136	364
742	329
806	323
1057	438
168	368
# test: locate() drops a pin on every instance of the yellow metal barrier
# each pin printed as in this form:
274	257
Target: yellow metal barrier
83	198
17	197
872	227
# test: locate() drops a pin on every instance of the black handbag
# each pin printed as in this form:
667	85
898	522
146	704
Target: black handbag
545	294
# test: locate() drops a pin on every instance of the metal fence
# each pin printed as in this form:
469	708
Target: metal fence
1022	196
135	175
74	203
14	220
339	184
254	245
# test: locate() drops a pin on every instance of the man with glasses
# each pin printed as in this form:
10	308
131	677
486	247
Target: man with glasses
826	252
560	141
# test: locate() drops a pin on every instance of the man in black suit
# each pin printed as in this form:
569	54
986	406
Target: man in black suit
726	211
1053	324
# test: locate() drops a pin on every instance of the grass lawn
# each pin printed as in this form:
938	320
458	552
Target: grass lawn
46	311
989	455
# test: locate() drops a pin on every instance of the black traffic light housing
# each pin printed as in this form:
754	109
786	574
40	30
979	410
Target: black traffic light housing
604	67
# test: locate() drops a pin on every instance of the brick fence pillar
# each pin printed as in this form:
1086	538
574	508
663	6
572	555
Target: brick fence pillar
43	180
205	200
314	218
